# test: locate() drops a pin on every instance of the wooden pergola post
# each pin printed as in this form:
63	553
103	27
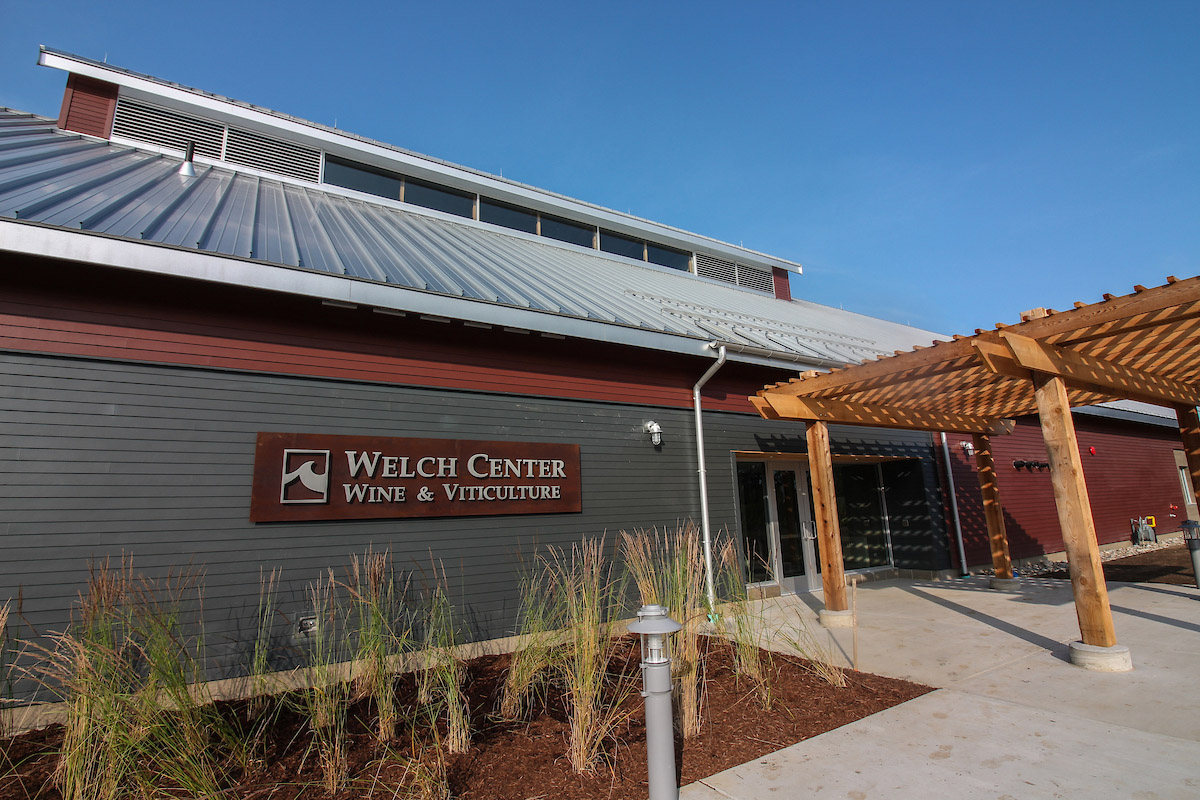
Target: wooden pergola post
829	536
993	512
1189	432
1074	512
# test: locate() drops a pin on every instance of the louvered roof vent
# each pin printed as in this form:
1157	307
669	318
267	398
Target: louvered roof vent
165	127
730	272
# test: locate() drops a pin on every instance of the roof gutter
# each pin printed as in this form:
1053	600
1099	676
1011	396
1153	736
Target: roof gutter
706	525
761	355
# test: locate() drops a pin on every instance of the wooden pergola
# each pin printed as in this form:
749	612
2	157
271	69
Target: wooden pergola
1143	346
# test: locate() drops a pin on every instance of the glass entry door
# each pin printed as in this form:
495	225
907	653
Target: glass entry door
778	533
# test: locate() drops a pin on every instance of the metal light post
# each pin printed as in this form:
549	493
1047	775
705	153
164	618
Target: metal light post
1191	532
653	627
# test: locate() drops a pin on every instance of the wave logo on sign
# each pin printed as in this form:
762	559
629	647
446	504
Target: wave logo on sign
305	477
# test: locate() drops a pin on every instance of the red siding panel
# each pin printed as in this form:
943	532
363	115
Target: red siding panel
1132	474
783	286
88	106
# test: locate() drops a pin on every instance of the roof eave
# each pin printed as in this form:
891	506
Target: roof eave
51	241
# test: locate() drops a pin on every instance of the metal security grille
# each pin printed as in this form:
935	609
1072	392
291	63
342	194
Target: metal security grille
737	274
167	128
272	155
755	279
147	123
710	267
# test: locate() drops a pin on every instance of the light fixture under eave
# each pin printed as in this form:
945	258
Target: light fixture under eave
655	431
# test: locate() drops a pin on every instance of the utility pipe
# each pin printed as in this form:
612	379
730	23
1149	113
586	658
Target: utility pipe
958	537
706	526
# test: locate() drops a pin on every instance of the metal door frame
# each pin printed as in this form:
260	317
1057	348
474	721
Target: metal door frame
810	581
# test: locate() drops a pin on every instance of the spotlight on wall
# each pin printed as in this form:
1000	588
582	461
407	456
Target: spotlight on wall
968	448
655	431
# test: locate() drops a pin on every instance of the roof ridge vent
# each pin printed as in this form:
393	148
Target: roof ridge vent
166	127
731	272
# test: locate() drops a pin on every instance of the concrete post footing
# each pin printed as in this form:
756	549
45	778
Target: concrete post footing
1005	584
835	619
1101	659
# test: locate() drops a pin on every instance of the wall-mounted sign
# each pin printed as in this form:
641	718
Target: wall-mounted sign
302	476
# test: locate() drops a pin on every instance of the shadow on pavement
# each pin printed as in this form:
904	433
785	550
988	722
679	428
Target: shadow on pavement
1053	646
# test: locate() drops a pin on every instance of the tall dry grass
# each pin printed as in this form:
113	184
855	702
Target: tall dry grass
531	664
743	626
325	702
668	569
818	655
590	598
441	682
383	634
127	669
259	671
7	662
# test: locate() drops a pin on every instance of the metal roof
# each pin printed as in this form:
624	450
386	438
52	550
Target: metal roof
228	110
79	184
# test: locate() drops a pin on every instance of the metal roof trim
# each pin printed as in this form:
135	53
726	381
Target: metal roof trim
51	241
229	110
1151	415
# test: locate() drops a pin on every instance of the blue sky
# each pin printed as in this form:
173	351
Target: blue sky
944	164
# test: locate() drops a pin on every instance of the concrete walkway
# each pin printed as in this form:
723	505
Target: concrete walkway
1012	717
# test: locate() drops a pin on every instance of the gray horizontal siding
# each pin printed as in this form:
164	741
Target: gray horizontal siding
103	459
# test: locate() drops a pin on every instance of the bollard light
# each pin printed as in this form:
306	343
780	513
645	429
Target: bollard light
653	626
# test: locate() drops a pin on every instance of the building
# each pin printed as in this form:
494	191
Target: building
243	341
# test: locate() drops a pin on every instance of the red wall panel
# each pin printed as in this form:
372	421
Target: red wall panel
783	286
88	106
1132	474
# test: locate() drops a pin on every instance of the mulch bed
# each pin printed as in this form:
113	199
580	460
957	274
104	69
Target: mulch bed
1167	565
523	760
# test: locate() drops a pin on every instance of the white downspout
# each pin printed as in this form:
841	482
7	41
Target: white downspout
706	527
962	552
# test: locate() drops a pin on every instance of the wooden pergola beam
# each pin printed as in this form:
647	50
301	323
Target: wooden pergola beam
993	512
829	534
1074	512
785	406
886	370
1096	374
1189	432
1116	315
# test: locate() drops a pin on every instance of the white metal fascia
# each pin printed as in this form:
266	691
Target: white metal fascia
49	241
342	144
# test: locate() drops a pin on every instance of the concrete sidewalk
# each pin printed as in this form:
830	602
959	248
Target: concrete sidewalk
1012	717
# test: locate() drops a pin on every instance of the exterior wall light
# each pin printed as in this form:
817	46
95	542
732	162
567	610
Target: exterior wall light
653	626
968	448
655	431
306	627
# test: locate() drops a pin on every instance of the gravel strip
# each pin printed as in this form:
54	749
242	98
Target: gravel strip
1048	567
